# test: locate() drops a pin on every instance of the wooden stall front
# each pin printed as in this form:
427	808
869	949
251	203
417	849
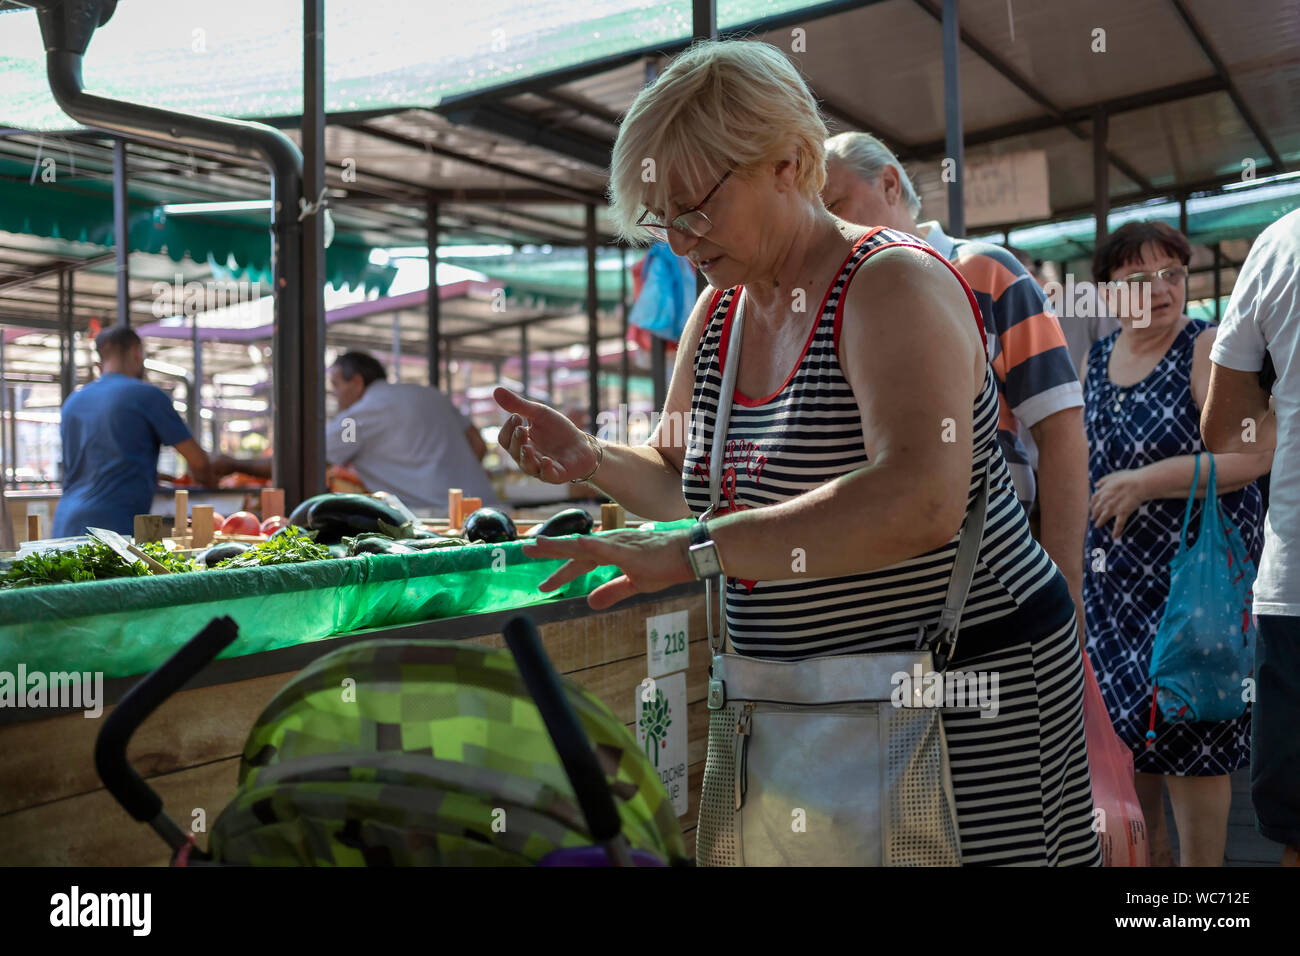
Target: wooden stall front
55	811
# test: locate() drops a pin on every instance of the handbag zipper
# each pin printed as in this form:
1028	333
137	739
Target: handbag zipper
742	730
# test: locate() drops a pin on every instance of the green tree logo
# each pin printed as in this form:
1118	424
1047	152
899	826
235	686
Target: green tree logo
655	720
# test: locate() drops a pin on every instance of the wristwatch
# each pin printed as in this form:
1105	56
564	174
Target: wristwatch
703	553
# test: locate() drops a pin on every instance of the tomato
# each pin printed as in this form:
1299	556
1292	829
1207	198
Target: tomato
273	524
242	522
217	521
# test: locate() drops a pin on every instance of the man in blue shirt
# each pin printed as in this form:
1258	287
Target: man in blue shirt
112	430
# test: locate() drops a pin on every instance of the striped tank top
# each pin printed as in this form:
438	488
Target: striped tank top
810	432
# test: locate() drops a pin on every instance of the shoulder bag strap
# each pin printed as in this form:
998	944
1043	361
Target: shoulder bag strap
721	421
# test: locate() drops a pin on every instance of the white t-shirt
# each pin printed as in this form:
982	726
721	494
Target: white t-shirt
408	440
1264	316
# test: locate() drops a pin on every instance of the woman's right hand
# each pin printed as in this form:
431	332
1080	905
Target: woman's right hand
543	443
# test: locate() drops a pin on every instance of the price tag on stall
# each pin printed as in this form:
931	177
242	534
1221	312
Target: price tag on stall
667	643
661	732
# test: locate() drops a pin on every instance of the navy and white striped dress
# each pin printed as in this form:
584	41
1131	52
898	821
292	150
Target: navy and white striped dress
1021	778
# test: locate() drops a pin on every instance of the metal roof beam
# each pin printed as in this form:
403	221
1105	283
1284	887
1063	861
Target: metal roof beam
1234	94
560	189
1010	74
54	269
494	327
512	124
1039	124
1170	192
582	105
855	120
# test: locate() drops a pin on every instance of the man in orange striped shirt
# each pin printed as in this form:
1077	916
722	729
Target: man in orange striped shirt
1038	387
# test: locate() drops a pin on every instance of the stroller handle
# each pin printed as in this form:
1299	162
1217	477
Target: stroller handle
126	786
570	741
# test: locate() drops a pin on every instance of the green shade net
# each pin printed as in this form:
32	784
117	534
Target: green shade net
130	626
243	58
82	211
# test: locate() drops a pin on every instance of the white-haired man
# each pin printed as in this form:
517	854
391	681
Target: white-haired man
1038	386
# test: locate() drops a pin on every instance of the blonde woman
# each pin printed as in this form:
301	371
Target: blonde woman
864	418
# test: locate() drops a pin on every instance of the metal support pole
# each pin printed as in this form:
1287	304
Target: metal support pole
433	305
1218	280
446	367
704	19
195	404
13	435
550	378
1182	213
952	119
523	358
308	362
121	238
397	347
4	425
593	322
67	373
1100	176
624	361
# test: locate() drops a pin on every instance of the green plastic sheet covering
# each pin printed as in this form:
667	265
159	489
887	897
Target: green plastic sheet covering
243	58
80	210
130	626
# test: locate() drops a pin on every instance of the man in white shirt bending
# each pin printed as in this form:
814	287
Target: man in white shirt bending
409	440
1262	321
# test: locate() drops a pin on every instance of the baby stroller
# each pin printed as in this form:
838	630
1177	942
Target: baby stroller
415	753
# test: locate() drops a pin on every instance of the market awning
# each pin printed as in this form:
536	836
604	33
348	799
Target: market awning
82	211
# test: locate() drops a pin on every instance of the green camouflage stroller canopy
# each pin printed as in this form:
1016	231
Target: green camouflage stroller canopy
432	753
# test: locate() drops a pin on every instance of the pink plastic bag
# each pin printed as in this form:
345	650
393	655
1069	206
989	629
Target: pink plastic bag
1120	825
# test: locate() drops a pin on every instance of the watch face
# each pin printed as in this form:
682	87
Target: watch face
704	560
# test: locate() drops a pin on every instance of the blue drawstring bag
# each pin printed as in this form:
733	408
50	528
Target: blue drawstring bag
1205	646
667	294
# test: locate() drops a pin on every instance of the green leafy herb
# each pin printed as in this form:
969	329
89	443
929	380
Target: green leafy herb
88	562
174	563
288	546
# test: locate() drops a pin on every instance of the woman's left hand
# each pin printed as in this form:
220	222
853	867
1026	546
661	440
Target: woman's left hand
650	561
1118	495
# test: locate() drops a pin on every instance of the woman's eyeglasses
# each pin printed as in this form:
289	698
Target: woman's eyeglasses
691	222
1171	275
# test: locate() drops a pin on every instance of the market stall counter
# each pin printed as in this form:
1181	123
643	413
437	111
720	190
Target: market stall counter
53	807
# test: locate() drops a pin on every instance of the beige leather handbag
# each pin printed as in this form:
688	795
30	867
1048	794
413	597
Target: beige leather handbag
809	762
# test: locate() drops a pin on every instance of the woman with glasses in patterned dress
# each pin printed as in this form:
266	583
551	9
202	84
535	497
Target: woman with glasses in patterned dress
1143	393
864	420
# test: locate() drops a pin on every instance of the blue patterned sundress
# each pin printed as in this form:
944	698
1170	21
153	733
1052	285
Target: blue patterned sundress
1126	582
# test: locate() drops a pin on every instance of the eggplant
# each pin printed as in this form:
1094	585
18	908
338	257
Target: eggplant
431	544
378	544
336	516
300	513
490	525
569	521
339	550
219	552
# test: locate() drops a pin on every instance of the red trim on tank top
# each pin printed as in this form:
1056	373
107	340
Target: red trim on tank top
741	397
970	294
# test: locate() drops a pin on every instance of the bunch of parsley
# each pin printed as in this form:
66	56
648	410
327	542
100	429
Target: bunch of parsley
88	562
290	545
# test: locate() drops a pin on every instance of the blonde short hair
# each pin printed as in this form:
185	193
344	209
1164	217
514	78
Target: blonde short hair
731	104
